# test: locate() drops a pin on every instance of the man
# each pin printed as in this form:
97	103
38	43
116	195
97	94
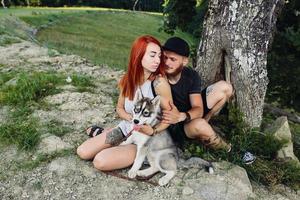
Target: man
192	107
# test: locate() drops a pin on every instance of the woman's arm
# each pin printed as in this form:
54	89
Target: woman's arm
162	88
121	109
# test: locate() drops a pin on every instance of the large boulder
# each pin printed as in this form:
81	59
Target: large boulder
281	130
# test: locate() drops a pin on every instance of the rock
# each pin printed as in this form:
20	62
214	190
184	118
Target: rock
12	82
228	182
4	112
187	191
281	130
52	144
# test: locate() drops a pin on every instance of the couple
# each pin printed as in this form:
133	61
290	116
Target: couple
159	70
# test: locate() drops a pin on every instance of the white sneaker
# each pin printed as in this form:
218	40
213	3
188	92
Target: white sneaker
248	158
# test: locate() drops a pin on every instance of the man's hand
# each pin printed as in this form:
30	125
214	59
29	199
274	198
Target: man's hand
173	115
146	129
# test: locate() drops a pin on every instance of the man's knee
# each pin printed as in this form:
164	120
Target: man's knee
226	88
198	128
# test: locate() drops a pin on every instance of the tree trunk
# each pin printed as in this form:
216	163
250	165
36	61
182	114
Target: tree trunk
134	5
235	41
3	4
28	3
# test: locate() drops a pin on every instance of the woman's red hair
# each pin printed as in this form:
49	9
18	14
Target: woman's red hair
134	76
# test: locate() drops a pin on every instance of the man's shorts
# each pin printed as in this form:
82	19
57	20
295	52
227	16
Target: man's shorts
177	133
205	108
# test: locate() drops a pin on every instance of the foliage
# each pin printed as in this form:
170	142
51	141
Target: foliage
186	15
284	61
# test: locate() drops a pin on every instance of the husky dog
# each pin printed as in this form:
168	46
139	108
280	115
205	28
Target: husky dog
159	149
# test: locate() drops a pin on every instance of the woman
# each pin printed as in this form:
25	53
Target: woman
146	73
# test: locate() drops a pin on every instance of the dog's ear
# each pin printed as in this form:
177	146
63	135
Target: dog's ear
137	96
156	101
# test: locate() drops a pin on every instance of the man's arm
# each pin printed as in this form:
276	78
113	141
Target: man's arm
197	106
162	88
174	116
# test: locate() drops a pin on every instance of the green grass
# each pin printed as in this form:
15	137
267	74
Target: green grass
30	87
33	87
25	94
103	37
57	128
6	40
83	83
20	129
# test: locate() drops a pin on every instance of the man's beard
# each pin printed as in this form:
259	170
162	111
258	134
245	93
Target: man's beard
176	72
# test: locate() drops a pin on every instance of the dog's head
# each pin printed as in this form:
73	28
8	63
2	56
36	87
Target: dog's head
145	110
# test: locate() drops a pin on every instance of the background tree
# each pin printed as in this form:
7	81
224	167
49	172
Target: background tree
284	60
3	4
235	41
134	5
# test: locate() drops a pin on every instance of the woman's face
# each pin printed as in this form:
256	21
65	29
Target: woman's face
151	58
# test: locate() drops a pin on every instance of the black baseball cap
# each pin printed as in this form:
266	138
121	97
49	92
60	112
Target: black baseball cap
177	45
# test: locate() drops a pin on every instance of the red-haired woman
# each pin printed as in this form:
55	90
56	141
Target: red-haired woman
146	73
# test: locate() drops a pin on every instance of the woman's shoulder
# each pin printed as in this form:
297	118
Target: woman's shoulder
160	80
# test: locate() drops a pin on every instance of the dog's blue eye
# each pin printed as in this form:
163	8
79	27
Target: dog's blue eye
146	113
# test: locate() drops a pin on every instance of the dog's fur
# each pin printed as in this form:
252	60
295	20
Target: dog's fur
159	149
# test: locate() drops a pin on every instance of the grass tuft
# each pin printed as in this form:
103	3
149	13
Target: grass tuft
30	87
57	128
22	130
83	83
6	40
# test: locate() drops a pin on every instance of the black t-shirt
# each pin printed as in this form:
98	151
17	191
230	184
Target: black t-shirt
189	83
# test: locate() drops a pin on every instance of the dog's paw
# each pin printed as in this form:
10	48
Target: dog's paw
132	173
163	181
140	173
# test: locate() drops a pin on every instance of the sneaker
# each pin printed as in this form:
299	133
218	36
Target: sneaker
248	158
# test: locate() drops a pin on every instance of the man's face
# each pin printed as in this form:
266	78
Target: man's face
174	63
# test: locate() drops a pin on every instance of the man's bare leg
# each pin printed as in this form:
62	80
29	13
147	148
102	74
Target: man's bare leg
201	130
216	96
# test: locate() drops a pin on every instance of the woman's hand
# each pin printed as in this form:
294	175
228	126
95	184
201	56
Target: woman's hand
128	117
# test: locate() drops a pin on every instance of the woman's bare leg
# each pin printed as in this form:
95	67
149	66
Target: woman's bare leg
117	157
88	149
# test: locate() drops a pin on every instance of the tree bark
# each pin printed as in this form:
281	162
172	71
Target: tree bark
235	40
